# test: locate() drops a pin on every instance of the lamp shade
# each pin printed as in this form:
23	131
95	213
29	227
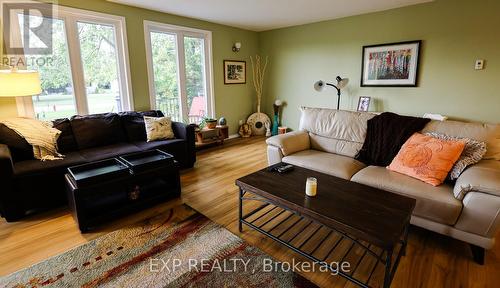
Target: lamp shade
15	83
342	82
319	86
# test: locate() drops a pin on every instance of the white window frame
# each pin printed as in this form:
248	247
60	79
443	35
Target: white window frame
180	32
71	16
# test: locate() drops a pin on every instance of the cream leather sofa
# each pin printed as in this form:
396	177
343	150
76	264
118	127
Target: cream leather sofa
469	210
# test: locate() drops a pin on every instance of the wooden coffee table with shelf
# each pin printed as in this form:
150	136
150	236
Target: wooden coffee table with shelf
344	222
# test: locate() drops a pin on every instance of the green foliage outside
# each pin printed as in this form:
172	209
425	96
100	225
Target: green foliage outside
165	70
98	52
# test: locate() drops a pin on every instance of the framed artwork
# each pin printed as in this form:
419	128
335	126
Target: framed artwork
390	65
235	72
364	103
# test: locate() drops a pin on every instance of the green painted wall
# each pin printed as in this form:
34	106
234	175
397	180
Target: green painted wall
454	34
231	101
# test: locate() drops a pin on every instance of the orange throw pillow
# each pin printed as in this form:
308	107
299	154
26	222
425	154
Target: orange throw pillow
427	158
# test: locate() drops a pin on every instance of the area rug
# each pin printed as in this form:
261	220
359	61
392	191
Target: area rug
180	248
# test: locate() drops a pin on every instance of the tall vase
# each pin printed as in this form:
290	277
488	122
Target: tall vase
275	124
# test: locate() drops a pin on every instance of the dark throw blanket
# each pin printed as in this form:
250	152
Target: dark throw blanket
385	135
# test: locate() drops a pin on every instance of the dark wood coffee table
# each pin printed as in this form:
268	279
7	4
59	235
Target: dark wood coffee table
345	221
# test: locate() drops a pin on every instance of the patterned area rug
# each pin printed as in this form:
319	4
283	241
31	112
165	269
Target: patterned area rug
181	248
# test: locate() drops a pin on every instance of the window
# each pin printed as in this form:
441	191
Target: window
88	69
179	66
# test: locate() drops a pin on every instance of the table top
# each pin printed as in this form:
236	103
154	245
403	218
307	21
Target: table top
364	212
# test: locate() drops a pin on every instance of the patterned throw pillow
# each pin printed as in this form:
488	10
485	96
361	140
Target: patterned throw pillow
427	158
158	128
473	152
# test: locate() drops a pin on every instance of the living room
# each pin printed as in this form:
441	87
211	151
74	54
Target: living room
324	143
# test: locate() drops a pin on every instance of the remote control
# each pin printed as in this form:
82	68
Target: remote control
285	168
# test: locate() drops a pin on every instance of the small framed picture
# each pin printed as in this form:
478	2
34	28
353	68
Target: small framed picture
363	103
390	65
235	72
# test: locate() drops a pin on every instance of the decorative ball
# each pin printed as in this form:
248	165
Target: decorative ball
222	121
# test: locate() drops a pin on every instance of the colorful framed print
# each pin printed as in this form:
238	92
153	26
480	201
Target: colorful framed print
391	65
364	103
235	72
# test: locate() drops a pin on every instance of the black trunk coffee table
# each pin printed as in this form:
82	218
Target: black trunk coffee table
345	222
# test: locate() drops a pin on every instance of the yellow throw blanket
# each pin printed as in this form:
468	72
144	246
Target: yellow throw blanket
39	134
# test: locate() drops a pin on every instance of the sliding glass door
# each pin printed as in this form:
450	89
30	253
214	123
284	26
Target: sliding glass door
196	88
165	72
179	71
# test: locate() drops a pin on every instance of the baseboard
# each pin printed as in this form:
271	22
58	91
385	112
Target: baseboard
233	136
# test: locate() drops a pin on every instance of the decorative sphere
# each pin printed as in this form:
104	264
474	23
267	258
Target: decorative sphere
222	121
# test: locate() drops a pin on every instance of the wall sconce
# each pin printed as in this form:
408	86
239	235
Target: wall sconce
237	47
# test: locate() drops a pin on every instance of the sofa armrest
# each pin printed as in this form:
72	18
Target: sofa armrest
290	143
483	177
179	129
480	214
186	132
6	164
6	171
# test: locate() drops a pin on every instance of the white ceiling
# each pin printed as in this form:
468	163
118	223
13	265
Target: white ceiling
261	15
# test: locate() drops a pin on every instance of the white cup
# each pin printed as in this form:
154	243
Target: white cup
311	186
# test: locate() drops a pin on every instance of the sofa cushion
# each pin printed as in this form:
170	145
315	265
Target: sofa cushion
488	133
29	167
335	131
433	203
66	141
19	148
159	128
133	123
97	130
328	163
427	158
473	152
109	151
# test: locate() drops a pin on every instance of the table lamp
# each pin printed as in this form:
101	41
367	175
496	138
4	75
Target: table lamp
18	83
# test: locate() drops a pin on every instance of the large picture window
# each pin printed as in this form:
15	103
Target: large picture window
179	66
88	70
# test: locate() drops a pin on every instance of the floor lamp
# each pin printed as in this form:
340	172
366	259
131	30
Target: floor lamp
341	84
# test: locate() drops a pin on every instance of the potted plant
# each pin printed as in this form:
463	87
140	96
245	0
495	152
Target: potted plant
208	122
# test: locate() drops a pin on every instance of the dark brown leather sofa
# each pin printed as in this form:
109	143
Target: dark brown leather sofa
28	185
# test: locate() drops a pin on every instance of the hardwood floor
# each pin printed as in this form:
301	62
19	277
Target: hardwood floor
432	260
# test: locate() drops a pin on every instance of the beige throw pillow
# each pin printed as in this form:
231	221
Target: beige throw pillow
158	128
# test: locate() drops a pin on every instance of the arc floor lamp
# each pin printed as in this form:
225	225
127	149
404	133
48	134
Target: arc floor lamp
341	84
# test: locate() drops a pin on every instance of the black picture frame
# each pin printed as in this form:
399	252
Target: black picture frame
386	82
228	81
